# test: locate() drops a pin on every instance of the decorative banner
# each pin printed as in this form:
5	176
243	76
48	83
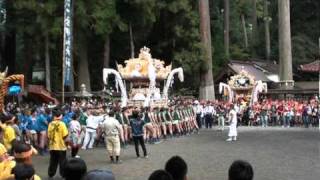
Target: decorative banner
67	40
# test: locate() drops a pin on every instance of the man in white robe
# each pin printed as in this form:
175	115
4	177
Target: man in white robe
233	124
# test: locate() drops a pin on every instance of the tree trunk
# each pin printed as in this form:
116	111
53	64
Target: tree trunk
106	53
28	54
226	26
254	36
206	77
285	54
131	40
10	51
267	28
245	35
83	66
47	62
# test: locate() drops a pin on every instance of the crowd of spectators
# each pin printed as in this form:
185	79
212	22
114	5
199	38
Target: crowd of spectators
27	130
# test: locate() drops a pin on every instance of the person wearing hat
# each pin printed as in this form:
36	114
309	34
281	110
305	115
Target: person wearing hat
6	164
57	134
9	135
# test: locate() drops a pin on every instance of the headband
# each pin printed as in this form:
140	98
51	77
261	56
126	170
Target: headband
27	154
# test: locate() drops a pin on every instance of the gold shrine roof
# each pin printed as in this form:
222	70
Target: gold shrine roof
242	81
137	68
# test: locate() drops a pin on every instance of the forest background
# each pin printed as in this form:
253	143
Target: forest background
110	31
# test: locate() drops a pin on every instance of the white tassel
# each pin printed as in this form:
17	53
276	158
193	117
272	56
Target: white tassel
117	85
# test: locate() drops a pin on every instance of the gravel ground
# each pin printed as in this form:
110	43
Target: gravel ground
275	153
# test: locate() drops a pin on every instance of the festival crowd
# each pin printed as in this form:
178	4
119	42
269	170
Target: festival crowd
27	130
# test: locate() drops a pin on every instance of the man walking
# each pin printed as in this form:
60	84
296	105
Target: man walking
93	121
113	132
198	110
57	133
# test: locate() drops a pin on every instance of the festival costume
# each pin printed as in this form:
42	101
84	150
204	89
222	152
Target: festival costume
6	166
137	134
167	117
176	117
8	136
74	136
147	119
233	125
112	130
57	132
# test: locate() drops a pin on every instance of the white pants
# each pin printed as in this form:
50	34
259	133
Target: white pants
89	138
233	130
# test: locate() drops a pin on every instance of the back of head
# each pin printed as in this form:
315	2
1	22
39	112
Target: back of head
23	171
99	175
240	170
177	167
56	112
23	152
111	113
74	168
135	114
160	175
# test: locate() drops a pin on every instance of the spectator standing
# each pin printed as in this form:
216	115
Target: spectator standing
198	110
113	132
233	124
221	114
57	134
137	127
42	122
33	128
274	116
208	115
74	135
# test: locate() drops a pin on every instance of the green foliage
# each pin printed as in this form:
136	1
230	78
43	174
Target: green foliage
303	49
169	28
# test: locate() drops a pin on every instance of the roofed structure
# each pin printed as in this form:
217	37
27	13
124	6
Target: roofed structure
310	67
261	70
